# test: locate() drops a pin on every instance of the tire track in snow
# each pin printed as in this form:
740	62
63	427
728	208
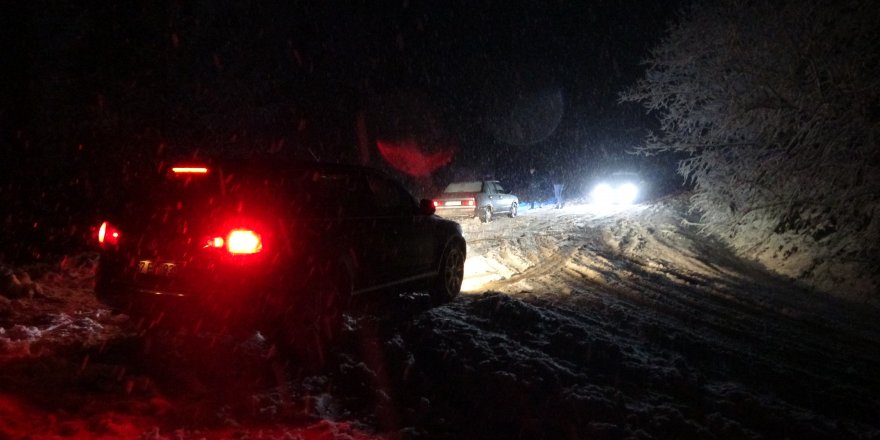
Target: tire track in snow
520	254
643	274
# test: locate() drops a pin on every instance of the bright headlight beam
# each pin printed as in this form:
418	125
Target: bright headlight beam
603	194
627	193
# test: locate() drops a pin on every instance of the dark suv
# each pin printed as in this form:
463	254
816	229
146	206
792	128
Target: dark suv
281	247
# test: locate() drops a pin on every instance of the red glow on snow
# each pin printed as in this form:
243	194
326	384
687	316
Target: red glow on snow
13	416
20	419
409	157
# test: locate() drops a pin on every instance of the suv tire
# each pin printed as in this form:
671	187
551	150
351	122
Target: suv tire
447	285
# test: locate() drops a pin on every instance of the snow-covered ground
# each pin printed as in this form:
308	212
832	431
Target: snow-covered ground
575	323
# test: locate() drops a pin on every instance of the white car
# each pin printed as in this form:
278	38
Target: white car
478	198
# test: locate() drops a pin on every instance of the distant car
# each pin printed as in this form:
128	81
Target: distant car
477	198
617	188
281	248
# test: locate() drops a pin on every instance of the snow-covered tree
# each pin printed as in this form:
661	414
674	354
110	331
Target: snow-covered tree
777	106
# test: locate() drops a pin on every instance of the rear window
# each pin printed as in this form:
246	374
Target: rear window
296	191
307	192
332	193
457	187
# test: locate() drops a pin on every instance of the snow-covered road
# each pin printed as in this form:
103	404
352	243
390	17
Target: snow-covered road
664	329
575	323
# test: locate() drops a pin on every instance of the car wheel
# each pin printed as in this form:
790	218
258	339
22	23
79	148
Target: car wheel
447	285
486	214
512	212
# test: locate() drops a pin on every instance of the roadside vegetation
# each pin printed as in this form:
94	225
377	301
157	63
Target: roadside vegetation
777	109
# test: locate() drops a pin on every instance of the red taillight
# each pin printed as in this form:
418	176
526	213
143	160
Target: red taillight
238	241
436	203
242	241
217	242
107	234
469	202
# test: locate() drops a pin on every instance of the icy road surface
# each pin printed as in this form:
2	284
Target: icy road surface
576	323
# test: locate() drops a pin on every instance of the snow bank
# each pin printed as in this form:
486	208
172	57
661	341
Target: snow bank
55	330
841	263
47	306
17	284
17	340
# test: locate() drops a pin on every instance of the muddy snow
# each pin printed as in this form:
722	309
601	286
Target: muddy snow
575	323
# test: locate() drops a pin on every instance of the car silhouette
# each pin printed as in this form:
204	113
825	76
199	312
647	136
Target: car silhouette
477	198
281	248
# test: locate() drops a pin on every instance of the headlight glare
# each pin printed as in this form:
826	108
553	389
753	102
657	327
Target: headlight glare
627	193
602	194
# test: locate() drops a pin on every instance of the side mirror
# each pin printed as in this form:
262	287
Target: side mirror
426	207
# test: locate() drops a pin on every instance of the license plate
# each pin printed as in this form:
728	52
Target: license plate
166	268
452	203
145	266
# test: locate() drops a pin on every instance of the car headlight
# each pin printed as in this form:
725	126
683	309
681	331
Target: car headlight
627	193
603	194
606	194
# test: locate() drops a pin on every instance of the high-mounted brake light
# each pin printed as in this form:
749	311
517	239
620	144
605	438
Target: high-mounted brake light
107	234
189	170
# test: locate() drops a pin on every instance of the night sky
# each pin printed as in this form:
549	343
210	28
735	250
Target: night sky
93	90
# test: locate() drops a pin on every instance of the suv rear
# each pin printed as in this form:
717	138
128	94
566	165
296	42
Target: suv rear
269	246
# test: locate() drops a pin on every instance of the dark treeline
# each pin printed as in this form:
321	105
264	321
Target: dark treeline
96	94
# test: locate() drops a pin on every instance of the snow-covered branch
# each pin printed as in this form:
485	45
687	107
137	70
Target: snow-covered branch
777	105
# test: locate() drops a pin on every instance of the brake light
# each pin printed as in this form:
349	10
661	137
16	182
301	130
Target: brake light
469	202
189	170
239	241
436	203
107	234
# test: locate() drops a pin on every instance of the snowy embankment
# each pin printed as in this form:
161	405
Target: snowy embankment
841	263
576	323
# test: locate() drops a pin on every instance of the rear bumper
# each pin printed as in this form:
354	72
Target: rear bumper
224	297
456	212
